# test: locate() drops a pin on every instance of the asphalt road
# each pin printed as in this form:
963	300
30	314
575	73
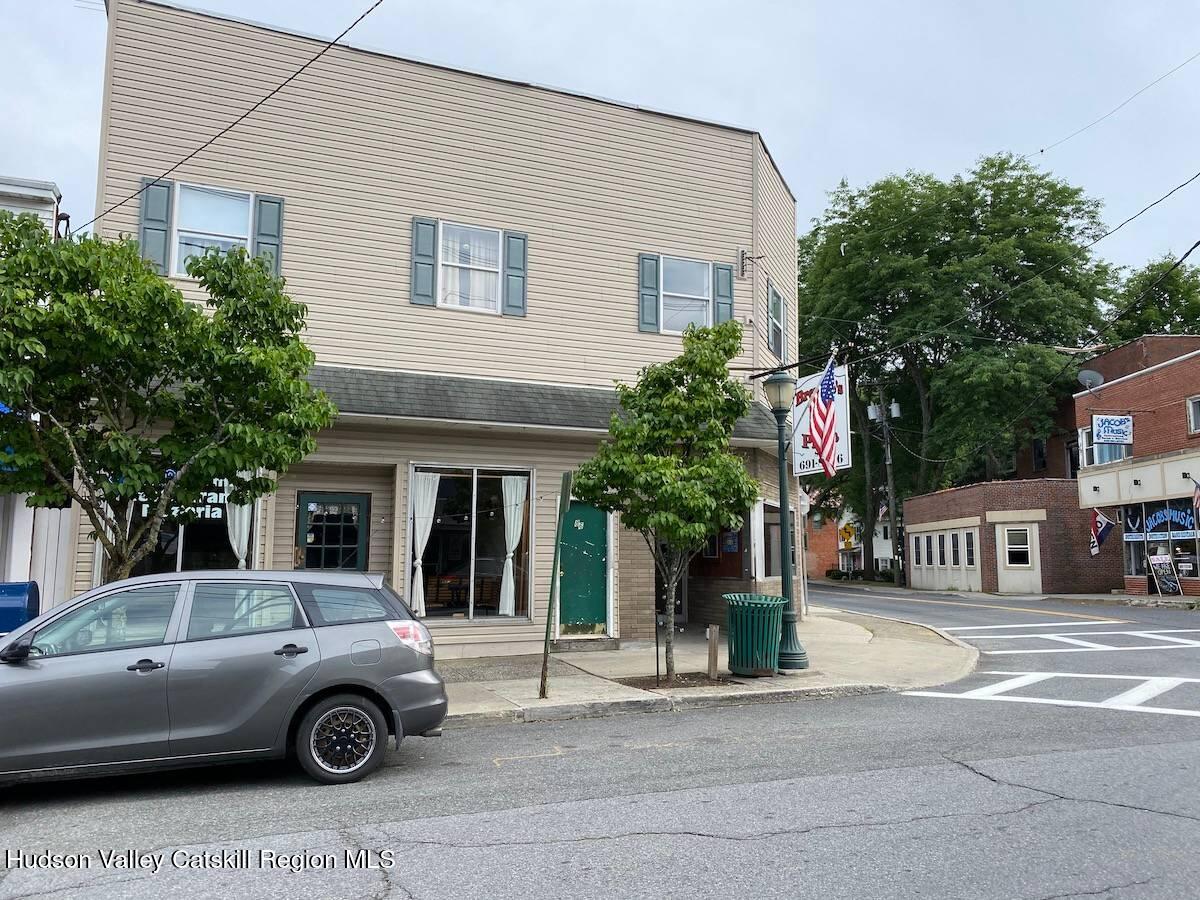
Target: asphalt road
886	796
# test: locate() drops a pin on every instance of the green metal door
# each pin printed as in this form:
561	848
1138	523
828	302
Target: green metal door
331	530
583	587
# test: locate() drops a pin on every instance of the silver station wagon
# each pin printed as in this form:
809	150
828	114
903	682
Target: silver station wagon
214	666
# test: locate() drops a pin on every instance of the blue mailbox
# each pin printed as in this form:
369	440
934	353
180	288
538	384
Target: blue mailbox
18	604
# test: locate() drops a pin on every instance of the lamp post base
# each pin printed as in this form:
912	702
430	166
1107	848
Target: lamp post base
791	652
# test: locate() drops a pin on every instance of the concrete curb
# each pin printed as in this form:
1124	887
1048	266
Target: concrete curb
592	709
958	642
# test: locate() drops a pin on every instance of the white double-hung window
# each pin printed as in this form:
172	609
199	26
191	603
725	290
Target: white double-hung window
1097	454
469	262
686	294
209	217
775	321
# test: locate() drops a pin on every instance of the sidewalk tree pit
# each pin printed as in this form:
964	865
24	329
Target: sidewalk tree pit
666	467
122	396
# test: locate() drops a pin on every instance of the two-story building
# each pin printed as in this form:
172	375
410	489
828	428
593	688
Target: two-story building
481	259
1153	482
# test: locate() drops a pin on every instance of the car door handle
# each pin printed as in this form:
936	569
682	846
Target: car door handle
290	650
145	665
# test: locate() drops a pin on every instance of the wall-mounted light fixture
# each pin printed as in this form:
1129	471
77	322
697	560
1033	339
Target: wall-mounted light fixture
1137	482
1187	476
1096	488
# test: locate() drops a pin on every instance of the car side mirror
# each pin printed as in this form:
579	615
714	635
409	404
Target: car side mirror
18	651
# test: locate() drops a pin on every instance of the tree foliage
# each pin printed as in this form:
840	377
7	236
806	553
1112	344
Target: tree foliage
666	467
1156	300
935	286
122	392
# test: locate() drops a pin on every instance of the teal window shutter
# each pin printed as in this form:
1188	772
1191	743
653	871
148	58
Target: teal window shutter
648	265
268	229
722	293
154	232
424	262
516	253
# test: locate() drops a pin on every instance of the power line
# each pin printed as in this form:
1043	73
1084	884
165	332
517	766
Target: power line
1117	108
1007	292
1133	305
212	140
916	215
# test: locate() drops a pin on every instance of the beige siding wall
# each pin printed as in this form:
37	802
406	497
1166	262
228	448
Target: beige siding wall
362	142
775	243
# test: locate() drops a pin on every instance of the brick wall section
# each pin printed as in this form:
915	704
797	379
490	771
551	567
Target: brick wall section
1065	536
822	547
1126	359
636	598
1157	401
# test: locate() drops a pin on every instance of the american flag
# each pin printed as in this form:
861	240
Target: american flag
822	425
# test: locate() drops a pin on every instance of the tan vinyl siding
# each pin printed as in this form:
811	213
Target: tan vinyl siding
21	205
775	243
363	142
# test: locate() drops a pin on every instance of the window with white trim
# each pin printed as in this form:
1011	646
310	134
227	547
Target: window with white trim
917	551
954	553
686	295
1193	414
1016	548
942	550
969	541
775	319
469	259
929	548
1097	454
209	217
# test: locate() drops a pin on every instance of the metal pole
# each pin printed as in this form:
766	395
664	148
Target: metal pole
791	653
885	417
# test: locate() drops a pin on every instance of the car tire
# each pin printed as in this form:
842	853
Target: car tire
341	739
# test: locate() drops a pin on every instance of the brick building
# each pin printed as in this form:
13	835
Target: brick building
1025	536
1151	480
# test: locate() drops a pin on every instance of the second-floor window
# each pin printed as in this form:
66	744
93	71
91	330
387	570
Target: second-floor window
470	267
1039	454
775	321
209	217
1193	412
686	294
1098	454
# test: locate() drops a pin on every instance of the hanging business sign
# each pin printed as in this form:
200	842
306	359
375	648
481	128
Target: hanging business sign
1112	429
1165	577
805	458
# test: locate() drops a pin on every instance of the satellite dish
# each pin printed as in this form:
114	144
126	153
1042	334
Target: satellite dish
1090	378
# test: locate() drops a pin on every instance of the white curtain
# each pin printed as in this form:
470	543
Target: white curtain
237	522
424	487
514	519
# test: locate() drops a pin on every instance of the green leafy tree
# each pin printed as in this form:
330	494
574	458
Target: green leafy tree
1171	304
666	467
917	277
122	393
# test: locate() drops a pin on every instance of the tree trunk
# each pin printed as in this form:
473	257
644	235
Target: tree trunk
669	609
926	404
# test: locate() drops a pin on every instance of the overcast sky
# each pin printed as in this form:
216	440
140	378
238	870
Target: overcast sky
839	89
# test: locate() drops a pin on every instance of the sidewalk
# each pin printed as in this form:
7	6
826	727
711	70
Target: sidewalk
848	654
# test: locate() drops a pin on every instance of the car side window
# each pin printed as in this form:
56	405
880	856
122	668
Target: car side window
232	608
137	617
336	605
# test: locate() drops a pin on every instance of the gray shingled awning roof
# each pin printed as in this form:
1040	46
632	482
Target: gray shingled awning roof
450	398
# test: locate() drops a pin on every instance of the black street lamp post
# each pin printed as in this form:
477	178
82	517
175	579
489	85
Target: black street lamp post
781	388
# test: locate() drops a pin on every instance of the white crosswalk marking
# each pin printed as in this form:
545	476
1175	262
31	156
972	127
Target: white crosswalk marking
1091	641
1025	625
1130	700
1063	639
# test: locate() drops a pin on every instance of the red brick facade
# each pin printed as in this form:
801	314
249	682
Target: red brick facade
1157	400
822	547
1065	535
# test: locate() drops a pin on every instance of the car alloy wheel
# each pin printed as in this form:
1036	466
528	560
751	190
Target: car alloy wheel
342	740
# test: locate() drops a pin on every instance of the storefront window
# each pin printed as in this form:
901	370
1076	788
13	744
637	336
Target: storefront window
1183	536
202	543
1158	529
479	518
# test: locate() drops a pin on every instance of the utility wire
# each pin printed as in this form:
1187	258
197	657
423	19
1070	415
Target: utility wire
212	140
1132	307
1117	108
1002	295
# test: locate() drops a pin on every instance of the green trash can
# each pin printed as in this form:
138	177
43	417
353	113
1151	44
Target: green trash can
754	624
